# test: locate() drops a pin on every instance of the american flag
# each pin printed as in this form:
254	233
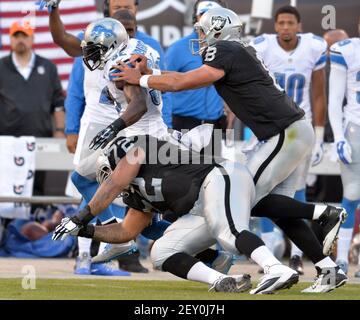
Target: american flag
76	15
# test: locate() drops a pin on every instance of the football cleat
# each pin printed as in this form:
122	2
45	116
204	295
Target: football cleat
331	220
277	277
327	280
223	262
344	266
296	264
83	264
237	284
106	269
113	251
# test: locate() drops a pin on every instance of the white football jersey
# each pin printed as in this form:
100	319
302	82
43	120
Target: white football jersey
293	69
151	122
346	53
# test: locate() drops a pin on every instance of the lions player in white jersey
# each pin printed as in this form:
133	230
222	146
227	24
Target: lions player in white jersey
297	61
345	122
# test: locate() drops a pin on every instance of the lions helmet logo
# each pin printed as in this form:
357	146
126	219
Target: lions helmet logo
30	146
19	161
219	22
100	29
18	189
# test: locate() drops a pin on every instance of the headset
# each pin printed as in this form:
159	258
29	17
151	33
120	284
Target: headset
106	8
220	2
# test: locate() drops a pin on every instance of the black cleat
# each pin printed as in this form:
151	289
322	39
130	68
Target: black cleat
236	284
296	264
132	263
331	220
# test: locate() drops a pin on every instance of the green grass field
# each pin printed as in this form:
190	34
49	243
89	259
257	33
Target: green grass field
53	289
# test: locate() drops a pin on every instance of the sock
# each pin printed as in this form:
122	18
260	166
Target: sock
300	195
343	244
295	251
318	211
202	273
263	257
325	263
207	256
298	231
279	206
84	245
350	207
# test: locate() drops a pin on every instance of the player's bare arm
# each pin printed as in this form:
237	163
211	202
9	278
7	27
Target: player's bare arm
65	40
318	97
133	224
137	107
125	171
173	81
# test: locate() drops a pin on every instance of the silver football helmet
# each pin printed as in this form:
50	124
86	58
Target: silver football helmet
216	24
103	168
101	39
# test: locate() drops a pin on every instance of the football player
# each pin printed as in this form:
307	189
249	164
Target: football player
250	91
152	176
345	123
297	60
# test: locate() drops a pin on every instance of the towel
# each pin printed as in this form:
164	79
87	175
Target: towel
17	169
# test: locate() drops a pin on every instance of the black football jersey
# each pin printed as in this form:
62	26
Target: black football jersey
164	182
249	90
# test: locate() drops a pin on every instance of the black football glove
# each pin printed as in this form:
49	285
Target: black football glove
107	134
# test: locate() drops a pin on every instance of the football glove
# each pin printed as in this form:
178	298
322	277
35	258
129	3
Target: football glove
108	134
344	151
68	226
50	4
317	154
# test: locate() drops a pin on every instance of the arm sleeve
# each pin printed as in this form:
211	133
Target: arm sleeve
319	52
337	88
75	100
58	97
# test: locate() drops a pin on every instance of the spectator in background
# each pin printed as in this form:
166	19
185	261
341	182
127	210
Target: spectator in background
194	107
31	97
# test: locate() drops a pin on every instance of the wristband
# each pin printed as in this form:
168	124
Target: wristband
85	215
319	133
87	231
156	72
144	81
119	124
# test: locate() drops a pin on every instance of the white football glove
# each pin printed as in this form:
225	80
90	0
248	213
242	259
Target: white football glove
343	150
317	154
68	226
50	4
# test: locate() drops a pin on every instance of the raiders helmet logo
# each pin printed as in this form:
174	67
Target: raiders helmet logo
18	189
30	146
219	22
19	161
30	174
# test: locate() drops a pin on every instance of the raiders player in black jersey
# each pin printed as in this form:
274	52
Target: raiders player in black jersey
204	194
252	94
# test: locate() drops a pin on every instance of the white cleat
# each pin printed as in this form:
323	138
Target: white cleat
113	251
327	280
236	283
277	277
